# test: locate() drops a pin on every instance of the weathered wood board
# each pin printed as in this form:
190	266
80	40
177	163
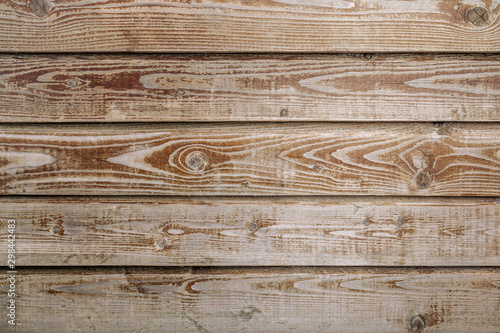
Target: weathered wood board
246	26
117	88
258	232
256	300
417	159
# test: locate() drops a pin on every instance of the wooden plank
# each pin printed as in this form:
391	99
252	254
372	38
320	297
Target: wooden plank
256	300
247	26
257	159
259	232
77	88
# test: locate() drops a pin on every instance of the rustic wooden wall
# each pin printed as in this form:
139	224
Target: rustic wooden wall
251	166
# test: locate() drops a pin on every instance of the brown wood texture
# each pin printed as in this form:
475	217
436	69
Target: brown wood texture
246	26
256	300
257	232
307	180
417	159
117	88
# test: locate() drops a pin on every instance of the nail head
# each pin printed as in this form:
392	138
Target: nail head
478	16
253	226
417	324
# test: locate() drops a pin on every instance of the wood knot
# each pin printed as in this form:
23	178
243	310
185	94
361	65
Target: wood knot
40	8
162	243
283	113
72	83
57	230
253	226
179	92
442	128
318	168
417	324
423	179
197	161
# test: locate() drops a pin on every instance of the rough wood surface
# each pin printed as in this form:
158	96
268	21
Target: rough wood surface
418	159
251	87
245	26
256	232
256	300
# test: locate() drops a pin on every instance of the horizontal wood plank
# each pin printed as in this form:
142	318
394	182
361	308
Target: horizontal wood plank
258	232
256	300
117	88
417	159
260	25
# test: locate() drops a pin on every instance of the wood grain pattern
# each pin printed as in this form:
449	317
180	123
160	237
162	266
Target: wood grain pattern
116	88
268	159
257	232
246	26
256	300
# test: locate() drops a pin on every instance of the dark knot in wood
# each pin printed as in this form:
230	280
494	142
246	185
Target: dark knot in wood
40	8
478	16
423	179
253	226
